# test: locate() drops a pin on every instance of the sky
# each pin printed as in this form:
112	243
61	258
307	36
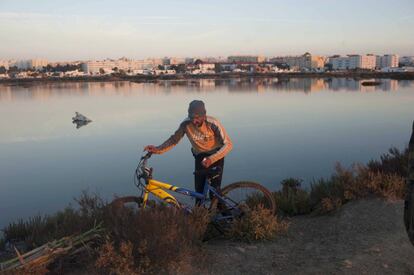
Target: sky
77	30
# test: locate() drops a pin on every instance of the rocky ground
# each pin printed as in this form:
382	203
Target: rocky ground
363	237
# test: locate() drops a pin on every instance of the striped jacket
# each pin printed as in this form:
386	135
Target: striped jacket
211	137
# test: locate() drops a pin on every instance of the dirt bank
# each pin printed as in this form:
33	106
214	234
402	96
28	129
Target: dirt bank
363	237
357	75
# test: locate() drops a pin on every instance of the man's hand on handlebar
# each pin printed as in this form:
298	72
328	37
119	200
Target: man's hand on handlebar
151	149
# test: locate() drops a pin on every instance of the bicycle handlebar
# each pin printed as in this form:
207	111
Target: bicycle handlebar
146	156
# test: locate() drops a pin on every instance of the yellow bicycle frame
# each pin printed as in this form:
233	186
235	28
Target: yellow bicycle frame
156	188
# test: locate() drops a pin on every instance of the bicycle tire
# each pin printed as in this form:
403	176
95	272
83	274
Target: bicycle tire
268	200
123	201
127	199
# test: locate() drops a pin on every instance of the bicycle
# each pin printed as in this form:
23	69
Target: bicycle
226	204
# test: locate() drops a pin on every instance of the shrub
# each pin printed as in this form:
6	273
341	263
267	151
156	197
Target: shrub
328	205
38	230
393	162
325	188
160	239
292	200
356	182
258	224
390	186
116	261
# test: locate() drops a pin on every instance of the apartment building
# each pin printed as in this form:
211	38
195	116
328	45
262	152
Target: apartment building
305	61
246	59
36	64
387	61
353	62
108	65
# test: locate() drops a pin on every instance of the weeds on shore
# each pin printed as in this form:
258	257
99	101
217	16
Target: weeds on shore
392	162
258	224
384	178
153	240
38	230
292	199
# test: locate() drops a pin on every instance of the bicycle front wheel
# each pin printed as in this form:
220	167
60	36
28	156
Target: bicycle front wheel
130	202
245	195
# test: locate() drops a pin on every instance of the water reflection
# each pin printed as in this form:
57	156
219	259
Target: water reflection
251	85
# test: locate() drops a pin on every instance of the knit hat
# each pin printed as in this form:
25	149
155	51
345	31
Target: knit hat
196	108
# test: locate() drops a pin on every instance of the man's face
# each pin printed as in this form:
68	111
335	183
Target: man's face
197	120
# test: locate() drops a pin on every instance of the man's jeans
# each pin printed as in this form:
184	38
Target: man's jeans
199	180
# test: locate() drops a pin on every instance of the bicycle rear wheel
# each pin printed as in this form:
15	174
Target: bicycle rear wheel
240	198
245	195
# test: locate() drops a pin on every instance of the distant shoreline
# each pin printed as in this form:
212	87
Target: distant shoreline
153	78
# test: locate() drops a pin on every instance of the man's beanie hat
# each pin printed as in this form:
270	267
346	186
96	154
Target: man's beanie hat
196	107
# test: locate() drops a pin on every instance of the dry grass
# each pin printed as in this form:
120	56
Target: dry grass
38	230
258	224
154	240
117	261
393	162
292	199
158	239
384	178
354	183
37	270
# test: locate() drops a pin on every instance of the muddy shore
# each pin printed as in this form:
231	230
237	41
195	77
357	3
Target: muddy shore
153	78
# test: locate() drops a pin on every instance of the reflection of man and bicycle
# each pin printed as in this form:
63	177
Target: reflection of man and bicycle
210	144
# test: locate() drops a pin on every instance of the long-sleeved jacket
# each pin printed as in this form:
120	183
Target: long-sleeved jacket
211	137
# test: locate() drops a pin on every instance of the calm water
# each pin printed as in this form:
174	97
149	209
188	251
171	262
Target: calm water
297	128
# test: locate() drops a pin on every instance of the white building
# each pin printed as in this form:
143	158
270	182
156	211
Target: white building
407	60
353	62
305	61
109	65
246	59
207	68
164	72
387	61
36	64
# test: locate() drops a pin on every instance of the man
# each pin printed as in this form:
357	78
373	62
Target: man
409	199
209	140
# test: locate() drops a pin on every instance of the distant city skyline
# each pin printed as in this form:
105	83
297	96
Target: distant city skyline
87	30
